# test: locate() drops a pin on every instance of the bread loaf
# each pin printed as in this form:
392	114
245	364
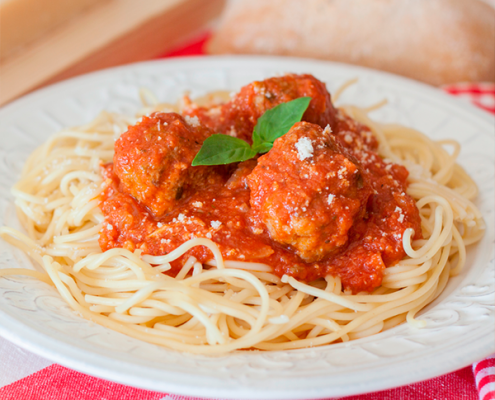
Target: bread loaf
434	41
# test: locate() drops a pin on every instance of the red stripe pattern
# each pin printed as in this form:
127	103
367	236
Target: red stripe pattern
484	373
59	383
480	94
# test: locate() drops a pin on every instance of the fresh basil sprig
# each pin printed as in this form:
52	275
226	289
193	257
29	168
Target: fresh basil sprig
222	149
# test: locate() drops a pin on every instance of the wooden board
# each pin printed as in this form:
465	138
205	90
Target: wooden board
113	33
22	22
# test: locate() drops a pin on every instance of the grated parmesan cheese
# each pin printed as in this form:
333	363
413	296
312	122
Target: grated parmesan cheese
341	172
215	224
193	121
330	198
304	148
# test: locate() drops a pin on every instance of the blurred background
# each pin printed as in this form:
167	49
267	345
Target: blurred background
438	42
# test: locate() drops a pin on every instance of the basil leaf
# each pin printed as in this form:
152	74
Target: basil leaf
277	121
263	147
221	149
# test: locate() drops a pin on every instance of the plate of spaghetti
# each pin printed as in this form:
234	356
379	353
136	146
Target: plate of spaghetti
248	227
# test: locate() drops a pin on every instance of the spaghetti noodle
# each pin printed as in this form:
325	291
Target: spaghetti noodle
224	305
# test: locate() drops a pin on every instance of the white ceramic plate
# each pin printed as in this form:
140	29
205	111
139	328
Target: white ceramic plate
460	326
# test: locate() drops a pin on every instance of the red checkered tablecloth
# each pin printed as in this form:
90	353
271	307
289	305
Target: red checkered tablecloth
26	376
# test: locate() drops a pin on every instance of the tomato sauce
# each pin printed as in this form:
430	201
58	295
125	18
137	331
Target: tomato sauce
360	235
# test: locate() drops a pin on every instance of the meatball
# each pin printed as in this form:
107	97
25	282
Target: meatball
153	160
238	117
306	193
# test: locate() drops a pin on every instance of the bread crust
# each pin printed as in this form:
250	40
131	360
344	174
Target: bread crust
434	41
